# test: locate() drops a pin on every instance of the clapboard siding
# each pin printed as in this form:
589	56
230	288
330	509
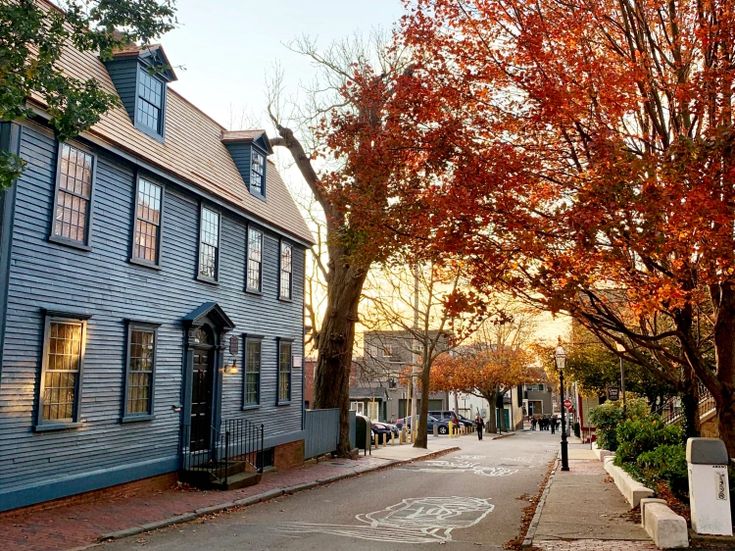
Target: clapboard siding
104	284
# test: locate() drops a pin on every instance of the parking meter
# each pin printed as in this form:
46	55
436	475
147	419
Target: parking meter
709	491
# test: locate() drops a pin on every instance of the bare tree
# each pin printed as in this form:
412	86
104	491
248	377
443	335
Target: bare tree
433	306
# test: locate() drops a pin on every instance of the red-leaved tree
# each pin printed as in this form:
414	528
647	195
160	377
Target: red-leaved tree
595	153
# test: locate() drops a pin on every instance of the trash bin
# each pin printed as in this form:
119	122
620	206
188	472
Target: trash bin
362	432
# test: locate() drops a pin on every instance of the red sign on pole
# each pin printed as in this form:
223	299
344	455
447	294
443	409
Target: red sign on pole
568	405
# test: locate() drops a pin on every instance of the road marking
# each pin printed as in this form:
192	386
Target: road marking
413	520
442	466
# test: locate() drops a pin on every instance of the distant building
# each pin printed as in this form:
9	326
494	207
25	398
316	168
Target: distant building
375	383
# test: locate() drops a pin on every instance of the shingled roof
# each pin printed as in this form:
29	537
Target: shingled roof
192	151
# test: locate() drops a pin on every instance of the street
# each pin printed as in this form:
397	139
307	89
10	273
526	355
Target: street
463	499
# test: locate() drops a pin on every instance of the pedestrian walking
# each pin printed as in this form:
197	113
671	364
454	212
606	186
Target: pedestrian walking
479	427
552	425
533	423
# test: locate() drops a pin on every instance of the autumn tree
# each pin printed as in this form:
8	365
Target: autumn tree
597	153
433	305
33	35
499	360
357	127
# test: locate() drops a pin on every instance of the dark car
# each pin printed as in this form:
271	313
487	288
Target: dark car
469	423
385	429
443	424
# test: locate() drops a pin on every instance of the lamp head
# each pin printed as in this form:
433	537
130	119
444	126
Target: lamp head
560	357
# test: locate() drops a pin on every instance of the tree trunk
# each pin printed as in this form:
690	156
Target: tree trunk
690	403
335	342
722	386
422	440
492	424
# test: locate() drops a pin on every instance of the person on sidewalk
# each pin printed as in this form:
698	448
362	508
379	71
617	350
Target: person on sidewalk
479	427
533	423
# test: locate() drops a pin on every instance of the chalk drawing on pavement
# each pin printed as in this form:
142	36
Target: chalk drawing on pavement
442	466
413	520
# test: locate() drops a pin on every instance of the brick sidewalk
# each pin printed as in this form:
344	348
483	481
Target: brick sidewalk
79	525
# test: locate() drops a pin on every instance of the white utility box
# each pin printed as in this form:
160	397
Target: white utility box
709	490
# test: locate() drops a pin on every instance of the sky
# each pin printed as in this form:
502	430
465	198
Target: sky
223	50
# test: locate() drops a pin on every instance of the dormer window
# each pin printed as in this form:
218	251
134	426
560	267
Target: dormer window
141	75
149	104
257	172
249	149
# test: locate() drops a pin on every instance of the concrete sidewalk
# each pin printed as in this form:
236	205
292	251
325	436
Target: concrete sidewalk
75	525
583	509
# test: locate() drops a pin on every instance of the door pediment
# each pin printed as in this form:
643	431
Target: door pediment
209	312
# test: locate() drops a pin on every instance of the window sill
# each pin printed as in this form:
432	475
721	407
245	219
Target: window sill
285	299
250	407
136	418
207	280
54	427
254	292
150	132
69	243
283	403
144	264
260	196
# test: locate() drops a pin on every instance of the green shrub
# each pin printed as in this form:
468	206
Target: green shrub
638	436
606	418
666	462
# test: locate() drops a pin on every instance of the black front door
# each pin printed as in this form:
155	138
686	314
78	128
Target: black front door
201	397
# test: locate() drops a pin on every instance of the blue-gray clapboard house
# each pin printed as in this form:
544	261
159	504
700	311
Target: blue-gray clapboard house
151	278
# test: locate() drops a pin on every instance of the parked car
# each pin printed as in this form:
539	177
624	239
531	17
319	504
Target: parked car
447	416
385	429
443	424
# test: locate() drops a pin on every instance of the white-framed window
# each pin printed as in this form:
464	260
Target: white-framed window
285	270
254	260
209	228
257	172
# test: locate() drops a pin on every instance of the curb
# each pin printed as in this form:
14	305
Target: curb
531	532
257	498
504	435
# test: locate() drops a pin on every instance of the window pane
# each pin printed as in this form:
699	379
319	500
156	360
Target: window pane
61	373
286	267
255	255
150	101
209	243
252	372
140	372
148	221
257	171
284	372
73	195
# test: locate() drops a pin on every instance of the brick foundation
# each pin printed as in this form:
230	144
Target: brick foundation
288	456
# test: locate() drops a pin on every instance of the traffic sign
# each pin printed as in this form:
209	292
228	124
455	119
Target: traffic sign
568	404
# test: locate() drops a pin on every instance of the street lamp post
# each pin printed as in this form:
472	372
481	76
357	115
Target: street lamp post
560	358
620	348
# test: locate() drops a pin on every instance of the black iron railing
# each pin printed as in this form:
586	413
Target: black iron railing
672	410
236	445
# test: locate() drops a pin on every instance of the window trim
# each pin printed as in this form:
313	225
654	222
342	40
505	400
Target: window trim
256	150
87	244
60	317
289	298
246	340
214	281
159	136
159	249
248	289
279	402
132	325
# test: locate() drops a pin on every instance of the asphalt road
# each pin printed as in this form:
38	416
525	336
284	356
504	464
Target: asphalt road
459	501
